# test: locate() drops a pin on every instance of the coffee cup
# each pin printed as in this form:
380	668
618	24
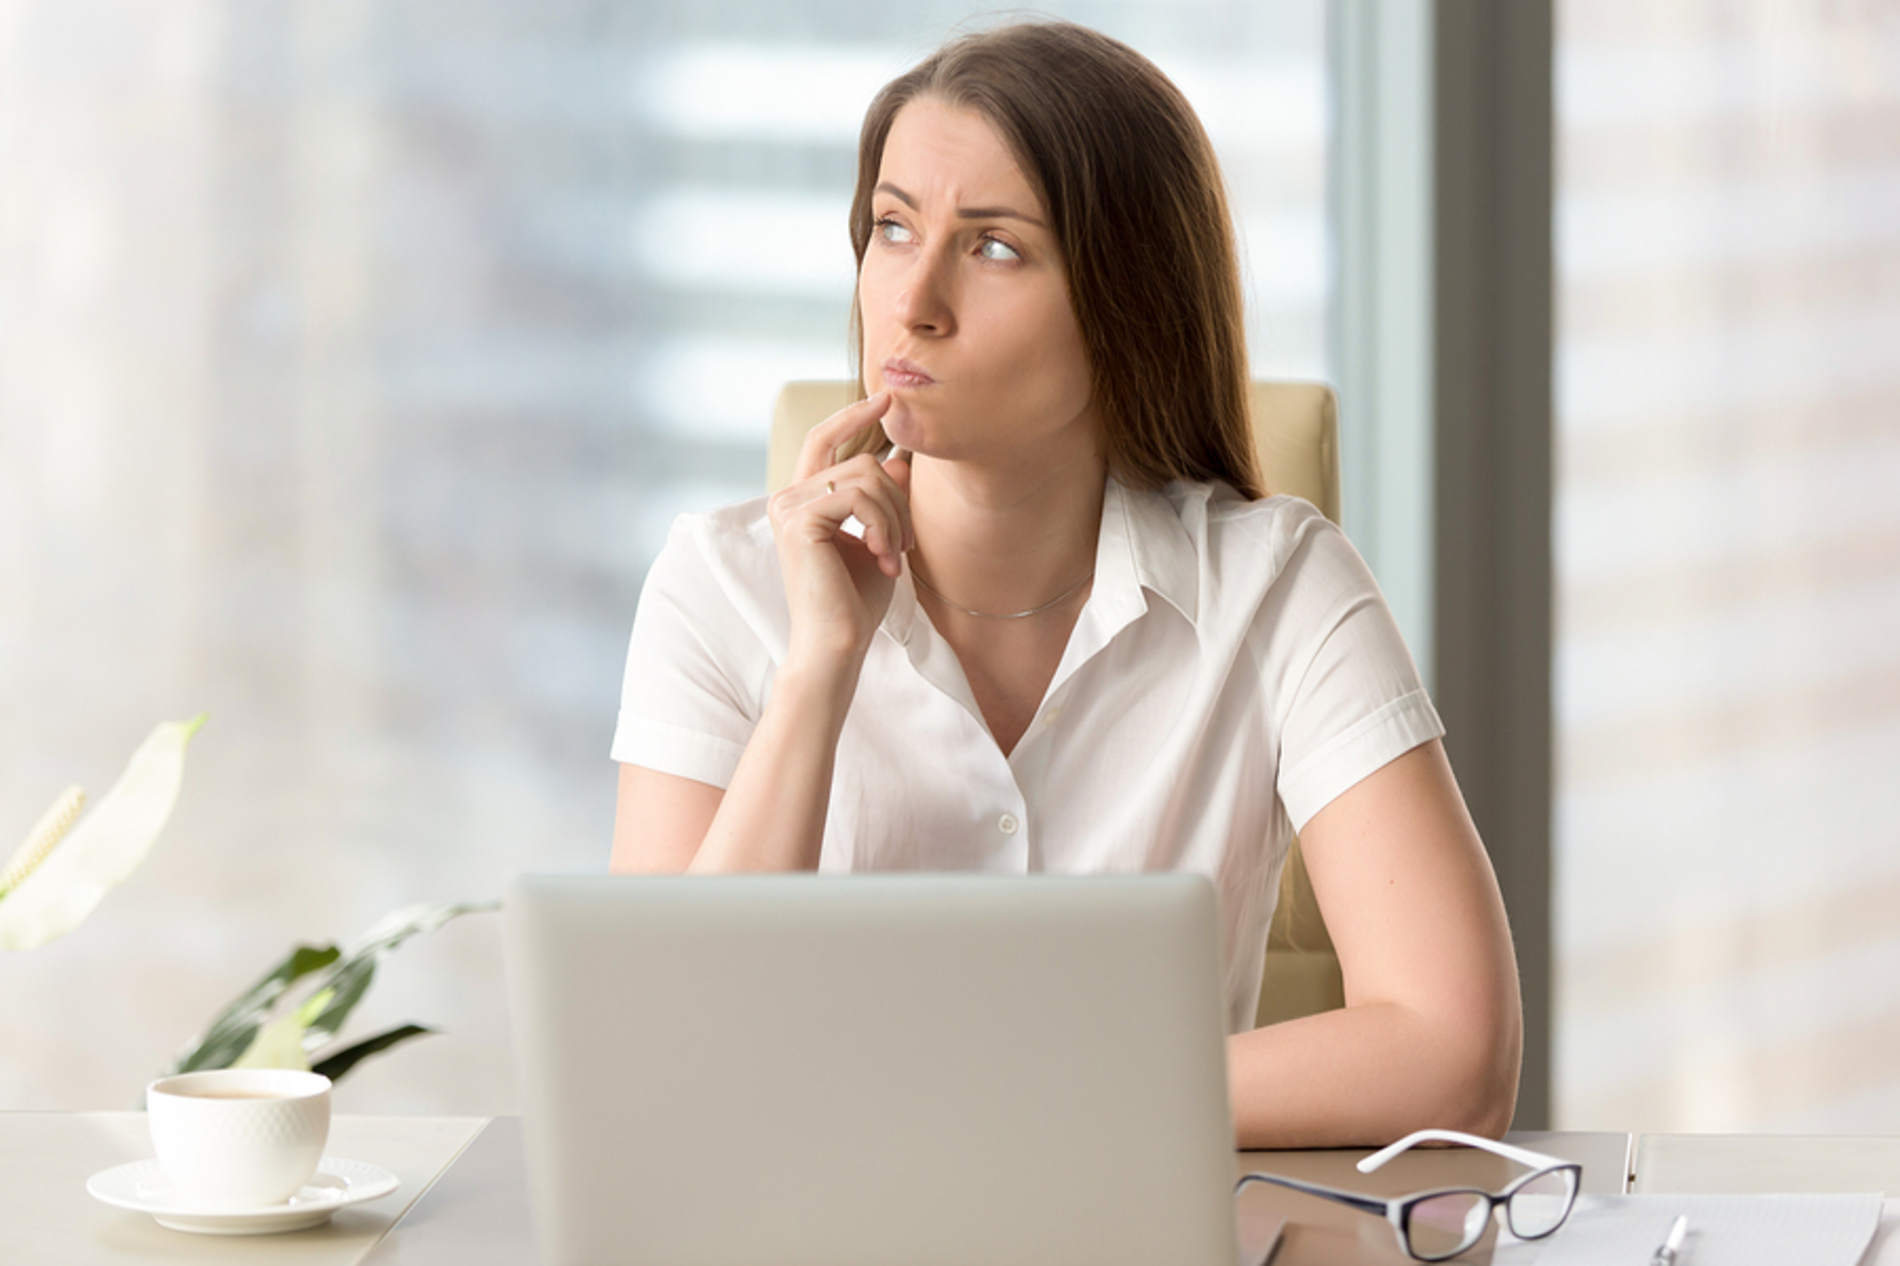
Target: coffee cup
239	1138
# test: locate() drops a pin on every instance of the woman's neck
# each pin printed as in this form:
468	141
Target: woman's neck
1005	541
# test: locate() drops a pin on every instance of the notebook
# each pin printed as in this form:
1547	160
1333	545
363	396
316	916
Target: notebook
874	1068
1832	1229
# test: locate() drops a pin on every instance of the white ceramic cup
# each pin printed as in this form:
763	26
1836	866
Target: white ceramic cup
239	1138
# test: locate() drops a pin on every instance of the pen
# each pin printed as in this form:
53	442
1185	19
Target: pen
1666	1255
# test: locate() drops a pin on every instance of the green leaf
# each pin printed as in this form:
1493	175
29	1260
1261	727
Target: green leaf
103	847
351	980
337	980
279	1044
335	1064
352	976
232	1033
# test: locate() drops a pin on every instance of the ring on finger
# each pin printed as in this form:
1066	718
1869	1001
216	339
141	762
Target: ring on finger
831	486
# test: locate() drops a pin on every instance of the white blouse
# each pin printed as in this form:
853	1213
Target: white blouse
1234	669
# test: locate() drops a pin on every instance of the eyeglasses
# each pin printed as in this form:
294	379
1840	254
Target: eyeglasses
1435	1225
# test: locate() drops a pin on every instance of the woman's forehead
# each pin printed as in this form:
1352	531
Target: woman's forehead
954	157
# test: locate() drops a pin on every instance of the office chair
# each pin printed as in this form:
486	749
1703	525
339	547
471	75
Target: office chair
1296	433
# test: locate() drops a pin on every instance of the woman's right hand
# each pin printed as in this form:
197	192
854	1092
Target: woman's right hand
837	585
771	816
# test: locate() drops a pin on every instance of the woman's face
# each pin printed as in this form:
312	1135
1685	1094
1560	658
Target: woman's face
964	300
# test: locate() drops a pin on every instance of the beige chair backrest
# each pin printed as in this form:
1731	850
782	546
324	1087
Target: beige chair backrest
1296	433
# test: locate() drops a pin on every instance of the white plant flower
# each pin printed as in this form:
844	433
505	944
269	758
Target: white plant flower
69	862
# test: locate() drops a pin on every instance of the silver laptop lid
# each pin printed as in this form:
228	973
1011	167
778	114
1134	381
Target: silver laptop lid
873	1069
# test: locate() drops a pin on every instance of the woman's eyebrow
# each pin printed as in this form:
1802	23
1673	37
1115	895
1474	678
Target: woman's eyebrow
965	213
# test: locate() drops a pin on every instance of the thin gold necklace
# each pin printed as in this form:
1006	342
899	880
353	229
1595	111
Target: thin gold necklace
1001	615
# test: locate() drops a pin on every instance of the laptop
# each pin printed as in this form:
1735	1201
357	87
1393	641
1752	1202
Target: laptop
922	1069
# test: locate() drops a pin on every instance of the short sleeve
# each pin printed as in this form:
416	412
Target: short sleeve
700	660
1350	698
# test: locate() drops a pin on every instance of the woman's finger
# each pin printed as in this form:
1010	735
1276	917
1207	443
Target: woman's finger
824	505
888	531
815	453
896	468
879	509
859	499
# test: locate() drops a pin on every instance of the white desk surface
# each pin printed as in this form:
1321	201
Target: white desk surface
47	1217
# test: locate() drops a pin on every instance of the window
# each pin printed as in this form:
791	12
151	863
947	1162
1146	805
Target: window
1728	567
354	358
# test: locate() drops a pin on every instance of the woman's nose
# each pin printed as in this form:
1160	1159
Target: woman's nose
924	302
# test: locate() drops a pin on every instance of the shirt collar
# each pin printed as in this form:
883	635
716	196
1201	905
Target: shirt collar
1144	546
900	618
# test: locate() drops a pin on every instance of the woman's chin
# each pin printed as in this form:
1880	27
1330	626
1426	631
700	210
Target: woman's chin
901	426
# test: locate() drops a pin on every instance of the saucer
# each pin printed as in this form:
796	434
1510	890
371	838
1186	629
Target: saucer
143	1188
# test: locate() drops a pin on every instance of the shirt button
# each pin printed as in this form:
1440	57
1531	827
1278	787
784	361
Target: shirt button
1008	824
1049	717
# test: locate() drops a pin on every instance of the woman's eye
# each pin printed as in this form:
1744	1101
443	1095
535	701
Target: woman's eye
1001	252
891	231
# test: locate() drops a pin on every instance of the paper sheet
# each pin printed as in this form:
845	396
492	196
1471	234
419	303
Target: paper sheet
1814	1230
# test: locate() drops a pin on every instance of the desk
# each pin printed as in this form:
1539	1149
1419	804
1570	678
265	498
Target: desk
463	1202
1324	1231
47	1219
1685	1163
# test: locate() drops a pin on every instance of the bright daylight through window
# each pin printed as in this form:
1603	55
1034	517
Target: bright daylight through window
355	356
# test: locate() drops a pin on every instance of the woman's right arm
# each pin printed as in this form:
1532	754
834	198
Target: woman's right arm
771	817
772	814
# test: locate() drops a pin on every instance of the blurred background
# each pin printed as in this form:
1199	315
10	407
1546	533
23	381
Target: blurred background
1726	850
356	354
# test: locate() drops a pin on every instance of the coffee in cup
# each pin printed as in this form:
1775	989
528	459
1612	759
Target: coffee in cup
239	1138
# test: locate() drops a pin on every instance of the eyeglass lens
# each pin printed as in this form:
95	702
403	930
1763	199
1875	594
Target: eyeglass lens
1538	1207
1443	1224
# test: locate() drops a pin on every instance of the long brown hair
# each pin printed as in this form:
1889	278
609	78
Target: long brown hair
1139	212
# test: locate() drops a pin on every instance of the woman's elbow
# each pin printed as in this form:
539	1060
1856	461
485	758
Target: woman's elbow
1491	1104
1483	1089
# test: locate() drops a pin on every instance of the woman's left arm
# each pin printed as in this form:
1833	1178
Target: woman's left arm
1432	1032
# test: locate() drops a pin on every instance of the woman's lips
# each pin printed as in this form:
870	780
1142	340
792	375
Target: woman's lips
899	372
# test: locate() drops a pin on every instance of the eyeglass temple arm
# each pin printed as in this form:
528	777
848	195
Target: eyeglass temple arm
1523	1156
1368	1203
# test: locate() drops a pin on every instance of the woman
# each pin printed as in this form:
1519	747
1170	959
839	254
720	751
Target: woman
1068	631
